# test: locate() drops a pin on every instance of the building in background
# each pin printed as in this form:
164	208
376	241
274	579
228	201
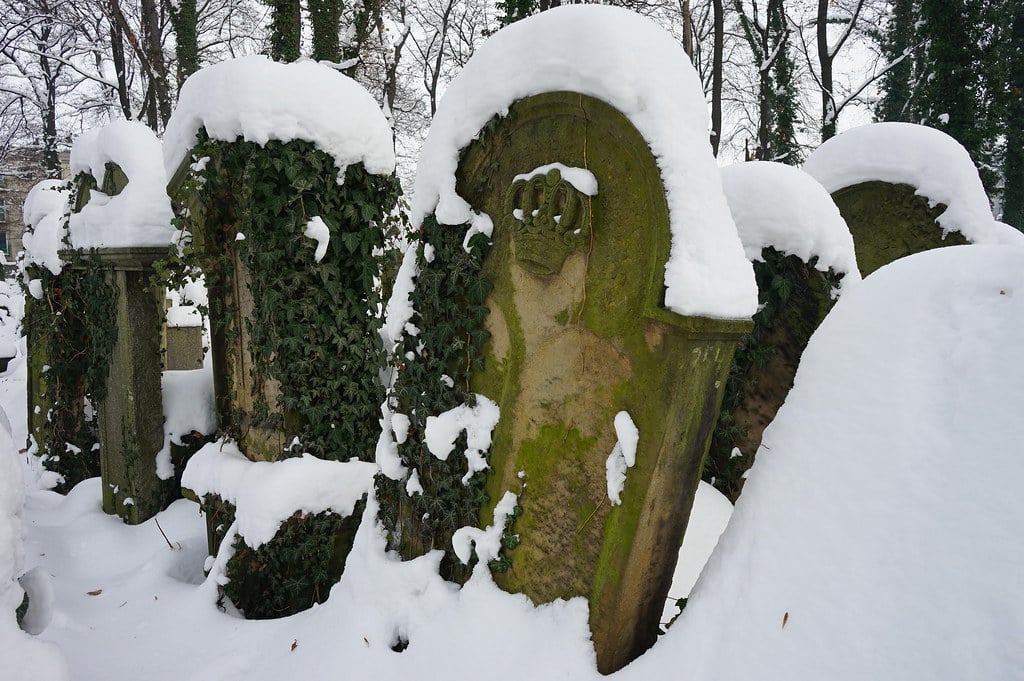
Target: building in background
20	170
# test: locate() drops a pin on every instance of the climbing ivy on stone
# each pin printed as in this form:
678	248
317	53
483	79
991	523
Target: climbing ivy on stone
72	332
314	324
433	369
313	330
794	298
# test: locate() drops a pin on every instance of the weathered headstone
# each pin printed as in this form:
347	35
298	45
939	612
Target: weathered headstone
803	257
131	412
890	221
580	348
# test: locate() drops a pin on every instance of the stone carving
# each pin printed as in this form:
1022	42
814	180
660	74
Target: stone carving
549	219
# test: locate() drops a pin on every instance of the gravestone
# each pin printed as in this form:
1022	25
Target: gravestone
130	411
794	298
581	347
890	221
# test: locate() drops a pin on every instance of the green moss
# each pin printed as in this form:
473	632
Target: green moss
890	221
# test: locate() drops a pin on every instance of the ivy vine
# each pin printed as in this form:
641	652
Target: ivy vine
433	370
795	296
72	331
312	330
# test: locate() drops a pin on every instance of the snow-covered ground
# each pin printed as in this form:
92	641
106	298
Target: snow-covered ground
877	536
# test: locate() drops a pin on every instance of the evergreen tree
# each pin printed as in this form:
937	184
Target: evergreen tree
897	84
1013	160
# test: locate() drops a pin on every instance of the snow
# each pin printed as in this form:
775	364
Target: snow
266	494
25	657
140	215
621	58
929	160
477	421
189	406
778	205
580	178
486	543
258	100
708	519
878	533
44	212
623	456
877	536
318	231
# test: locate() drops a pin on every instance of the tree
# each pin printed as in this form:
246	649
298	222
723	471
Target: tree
1013	161
768	37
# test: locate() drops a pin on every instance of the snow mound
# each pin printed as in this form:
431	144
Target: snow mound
708	519
632	64
781	206
265	494
25	658
878	535
259	100
140	215
929	160
44	210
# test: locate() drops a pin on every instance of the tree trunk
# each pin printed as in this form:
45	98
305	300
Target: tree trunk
155	56
716	75
325	18
828	102
184	18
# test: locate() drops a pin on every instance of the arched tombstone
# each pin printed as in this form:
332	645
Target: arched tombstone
803	258
904	188
593	396
119	227
283	176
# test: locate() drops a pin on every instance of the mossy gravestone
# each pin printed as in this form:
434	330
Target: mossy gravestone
129	404
578	335
890	221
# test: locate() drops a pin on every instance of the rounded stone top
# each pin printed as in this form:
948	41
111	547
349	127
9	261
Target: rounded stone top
937	166
630	63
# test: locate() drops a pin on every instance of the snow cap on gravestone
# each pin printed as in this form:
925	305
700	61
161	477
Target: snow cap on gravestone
632	64
257	100
140	214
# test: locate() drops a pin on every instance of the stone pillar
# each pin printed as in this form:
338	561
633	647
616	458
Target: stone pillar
131	415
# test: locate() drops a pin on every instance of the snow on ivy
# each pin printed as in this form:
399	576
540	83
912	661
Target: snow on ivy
486	543
258	100
478	421
265	494
318	231
778	205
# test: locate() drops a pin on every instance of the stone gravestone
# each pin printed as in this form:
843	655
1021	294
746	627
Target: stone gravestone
890	221
586	364
130	411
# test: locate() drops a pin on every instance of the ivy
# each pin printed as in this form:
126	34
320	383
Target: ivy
313	327
450	312
794	296
311	330
295	569
72	330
